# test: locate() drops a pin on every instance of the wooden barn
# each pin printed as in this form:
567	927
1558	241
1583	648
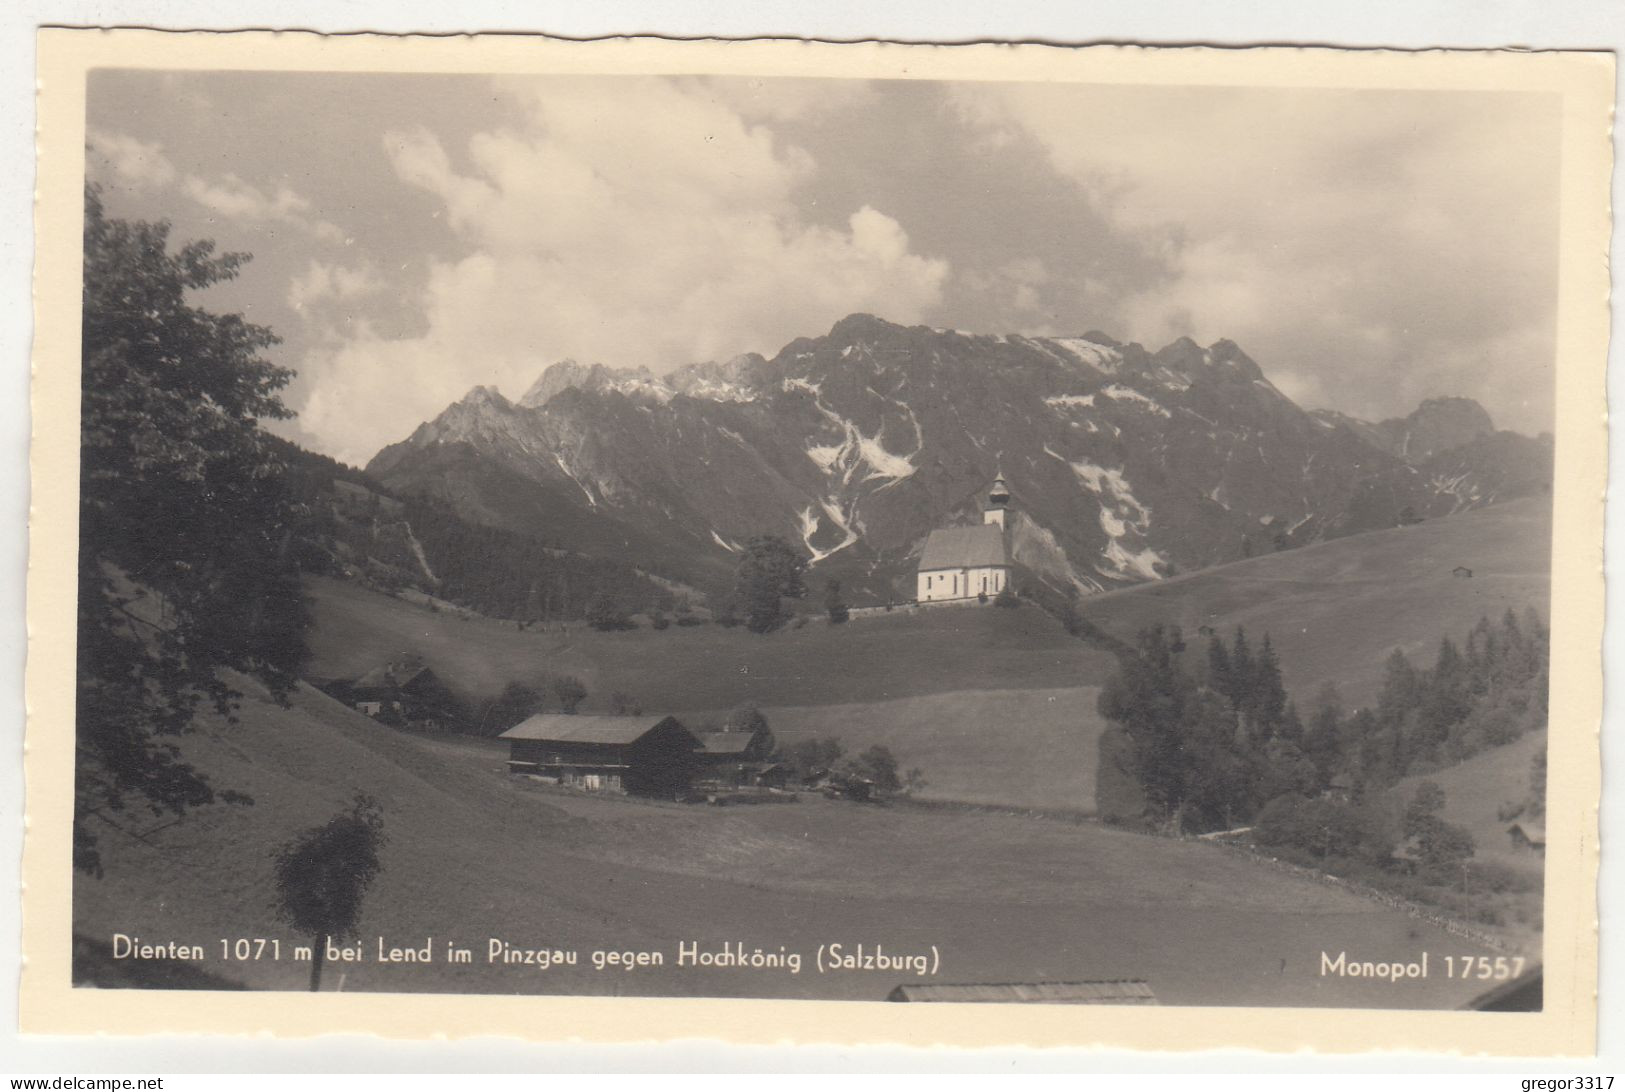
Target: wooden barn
650	756
734	758
403	691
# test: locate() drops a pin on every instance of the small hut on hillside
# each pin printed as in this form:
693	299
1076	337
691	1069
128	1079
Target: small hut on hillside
1528	834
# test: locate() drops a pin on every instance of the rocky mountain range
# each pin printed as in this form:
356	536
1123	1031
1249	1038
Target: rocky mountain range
1126	465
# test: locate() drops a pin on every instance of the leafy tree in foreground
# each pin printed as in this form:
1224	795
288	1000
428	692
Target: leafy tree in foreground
186	523
323	874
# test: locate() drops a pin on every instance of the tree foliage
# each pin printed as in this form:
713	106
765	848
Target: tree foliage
770	571
323	874
569	691
878	765
186	560
834	605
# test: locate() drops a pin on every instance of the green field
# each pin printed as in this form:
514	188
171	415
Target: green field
475	855
705	668
1018	748
1476	789
1335	610
995	706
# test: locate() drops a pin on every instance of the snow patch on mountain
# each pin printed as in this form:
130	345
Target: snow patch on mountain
417	552
1122	516
714	390
568	473
1101	358
1070	401
1120	393
1461	488
731	547
1035	546
857	450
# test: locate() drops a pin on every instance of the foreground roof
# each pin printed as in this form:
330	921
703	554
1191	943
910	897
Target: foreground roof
566	728
964	548
1117	992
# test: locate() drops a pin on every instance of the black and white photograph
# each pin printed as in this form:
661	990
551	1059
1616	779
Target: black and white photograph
860	538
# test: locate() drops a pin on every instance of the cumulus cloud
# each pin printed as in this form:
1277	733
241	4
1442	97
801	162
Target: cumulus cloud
1370	247
323	283
136	164
236	199
634	222
133	162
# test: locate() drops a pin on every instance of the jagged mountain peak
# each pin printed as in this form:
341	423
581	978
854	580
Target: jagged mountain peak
484	395
855	444
568	374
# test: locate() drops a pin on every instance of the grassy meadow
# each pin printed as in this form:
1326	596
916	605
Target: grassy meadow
1017	748
995	706
703	668
475	855
1476	789
1336	610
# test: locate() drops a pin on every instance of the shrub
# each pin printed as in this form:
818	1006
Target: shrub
570	692
1006	598
658	621
1324	829
879	765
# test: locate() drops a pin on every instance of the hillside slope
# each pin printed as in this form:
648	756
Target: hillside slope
1475	790
708	668
474	857
1013	748
1335	610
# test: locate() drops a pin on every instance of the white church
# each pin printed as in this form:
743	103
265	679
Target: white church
968	562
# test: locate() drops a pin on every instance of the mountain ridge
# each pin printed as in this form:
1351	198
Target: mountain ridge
1126	465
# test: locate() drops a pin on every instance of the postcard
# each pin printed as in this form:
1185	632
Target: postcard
807	542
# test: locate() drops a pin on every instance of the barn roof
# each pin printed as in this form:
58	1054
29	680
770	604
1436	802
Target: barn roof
1118	992
1534	832
726	743
392	675
567	728
964	548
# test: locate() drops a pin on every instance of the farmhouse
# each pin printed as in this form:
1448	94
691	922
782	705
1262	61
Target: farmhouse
968	562
1461	572
734	758
651	756
403	690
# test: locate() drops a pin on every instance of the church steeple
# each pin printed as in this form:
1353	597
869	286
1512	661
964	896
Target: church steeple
998	503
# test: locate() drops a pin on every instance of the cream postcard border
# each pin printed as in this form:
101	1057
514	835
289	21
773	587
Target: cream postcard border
50	1005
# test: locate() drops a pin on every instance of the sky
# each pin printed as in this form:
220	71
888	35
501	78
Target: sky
417	235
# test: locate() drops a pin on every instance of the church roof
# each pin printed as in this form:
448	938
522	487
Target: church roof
964	548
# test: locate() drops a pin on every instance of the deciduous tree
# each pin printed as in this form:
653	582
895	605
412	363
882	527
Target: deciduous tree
323	874
770	571
185	523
